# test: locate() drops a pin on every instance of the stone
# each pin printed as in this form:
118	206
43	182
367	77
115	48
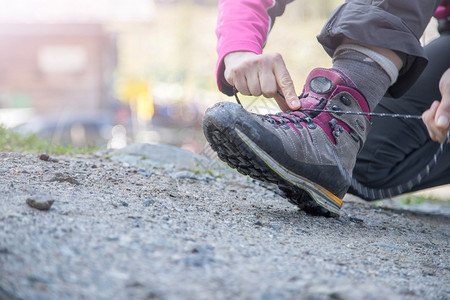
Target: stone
40	202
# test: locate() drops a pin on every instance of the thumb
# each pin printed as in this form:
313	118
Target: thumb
442	118
289	97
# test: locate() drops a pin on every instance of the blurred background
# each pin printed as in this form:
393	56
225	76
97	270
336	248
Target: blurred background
112	72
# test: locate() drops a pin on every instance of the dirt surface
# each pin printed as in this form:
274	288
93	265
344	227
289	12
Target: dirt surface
112	229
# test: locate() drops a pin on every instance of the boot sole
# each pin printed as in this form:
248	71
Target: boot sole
242	154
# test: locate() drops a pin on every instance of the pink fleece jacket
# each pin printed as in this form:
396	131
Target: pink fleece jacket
245	28
443	11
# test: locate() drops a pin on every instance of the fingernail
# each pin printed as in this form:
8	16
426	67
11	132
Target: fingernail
442	121
295	103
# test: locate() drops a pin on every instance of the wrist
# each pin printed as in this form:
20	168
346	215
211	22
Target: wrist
236	56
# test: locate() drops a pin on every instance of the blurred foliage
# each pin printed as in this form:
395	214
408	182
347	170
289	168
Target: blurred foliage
411	199
416	199
11	141
179	44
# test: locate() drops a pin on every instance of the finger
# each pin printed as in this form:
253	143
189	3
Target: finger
429	114
253	84
236	78
281	102
442	118
268	84
285	84
242	88
428	119
229	76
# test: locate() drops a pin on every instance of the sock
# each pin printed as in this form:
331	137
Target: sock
371	72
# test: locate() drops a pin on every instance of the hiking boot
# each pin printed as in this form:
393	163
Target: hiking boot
310	155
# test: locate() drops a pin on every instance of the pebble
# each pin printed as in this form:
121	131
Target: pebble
145	172
149	202
258	223
44	157
113	238
275	227
40	202
61	177
356	220
191	175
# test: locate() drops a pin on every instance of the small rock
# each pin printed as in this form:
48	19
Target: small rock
60	177
135	284
44	157
275	227
134	217
113	238
258	223
41	203
145	172
149	202
123	203
191	175
356	220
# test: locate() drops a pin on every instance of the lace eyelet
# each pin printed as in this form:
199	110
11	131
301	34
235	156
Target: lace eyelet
311	125
346	100
360	126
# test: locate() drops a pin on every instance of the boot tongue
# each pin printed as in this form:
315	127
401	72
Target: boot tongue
319	86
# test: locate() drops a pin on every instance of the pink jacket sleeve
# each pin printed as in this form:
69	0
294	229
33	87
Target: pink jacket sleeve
443	11
243	25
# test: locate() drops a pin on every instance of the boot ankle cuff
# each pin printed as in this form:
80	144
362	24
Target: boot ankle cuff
386	64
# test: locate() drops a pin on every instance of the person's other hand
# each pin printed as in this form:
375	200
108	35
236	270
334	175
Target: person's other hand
437	117
261	74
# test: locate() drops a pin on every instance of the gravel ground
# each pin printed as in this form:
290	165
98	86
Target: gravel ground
121	230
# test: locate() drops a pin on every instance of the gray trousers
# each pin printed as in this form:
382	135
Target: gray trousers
391	24
396	150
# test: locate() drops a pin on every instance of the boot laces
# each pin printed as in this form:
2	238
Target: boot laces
295	116
283	118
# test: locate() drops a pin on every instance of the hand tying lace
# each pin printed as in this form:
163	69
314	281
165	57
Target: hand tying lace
296	117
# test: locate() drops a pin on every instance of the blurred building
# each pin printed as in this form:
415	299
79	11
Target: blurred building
53	68
58	60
